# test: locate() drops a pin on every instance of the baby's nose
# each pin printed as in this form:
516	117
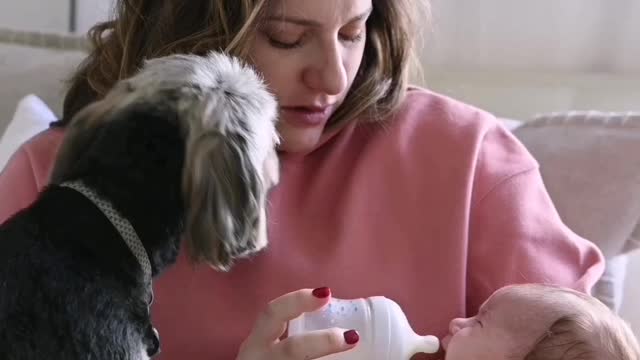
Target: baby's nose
458	324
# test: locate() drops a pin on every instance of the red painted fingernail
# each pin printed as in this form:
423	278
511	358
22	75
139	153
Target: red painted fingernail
321	292
351	337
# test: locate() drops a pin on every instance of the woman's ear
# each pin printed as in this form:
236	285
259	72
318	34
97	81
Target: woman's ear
224	199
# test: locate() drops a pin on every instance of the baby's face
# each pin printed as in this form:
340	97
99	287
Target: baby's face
506	327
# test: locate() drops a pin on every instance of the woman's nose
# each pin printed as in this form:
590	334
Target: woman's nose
459	323
328	74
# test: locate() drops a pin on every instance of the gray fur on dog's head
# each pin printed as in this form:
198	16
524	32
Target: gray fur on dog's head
231	163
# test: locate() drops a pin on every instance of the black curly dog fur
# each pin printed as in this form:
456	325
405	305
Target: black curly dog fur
64	279
70	288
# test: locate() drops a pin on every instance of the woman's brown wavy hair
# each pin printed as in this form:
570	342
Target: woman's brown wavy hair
144	29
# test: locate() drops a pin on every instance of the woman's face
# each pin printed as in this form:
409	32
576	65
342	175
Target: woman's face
309	52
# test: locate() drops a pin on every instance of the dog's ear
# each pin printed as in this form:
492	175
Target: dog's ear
78	136
82	129
224	194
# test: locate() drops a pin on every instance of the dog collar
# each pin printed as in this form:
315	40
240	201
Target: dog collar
122	225
131	238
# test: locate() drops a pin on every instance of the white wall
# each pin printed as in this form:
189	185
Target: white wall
517	58
52	15
91	11
568	35
42	15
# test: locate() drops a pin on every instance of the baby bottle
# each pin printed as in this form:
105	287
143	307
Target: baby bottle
385	333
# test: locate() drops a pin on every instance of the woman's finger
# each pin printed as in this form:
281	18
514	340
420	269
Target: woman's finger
272	323
316	344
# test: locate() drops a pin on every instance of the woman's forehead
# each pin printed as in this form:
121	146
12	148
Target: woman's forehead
320	11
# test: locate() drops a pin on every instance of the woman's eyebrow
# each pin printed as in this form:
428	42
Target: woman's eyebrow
314	23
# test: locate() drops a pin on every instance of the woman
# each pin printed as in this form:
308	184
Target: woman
385	189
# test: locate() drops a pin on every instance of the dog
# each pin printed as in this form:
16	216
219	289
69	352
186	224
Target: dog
184	150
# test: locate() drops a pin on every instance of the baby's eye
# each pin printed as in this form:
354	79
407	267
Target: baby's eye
480	323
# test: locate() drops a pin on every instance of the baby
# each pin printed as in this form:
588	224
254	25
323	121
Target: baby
536	322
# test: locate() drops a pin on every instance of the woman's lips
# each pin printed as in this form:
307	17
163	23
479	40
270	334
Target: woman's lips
306	116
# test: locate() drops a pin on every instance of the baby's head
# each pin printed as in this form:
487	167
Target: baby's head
535	322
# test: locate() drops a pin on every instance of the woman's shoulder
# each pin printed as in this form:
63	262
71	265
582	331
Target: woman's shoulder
428	118
40	151
44	141
27	171
443	130
422	106
496	151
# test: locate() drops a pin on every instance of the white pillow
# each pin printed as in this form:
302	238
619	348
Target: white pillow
32	116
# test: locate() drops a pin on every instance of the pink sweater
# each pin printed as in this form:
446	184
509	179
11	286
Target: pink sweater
436	209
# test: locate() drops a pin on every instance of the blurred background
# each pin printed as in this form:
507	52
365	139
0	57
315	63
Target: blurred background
520	59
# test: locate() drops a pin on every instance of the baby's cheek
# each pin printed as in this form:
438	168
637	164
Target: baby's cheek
461	346
466	332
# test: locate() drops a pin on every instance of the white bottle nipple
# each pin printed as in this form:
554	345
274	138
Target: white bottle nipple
385	333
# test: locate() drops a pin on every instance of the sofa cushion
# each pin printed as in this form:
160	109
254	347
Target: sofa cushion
590	163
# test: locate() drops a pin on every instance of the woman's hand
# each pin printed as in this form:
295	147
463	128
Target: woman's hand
264	341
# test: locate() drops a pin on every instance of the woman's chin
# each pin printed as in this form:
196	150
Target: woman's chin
299	140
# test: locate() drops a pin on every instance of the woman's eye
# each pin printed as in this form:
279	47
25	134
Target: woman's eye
281	40
284	39
284	44
352	37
